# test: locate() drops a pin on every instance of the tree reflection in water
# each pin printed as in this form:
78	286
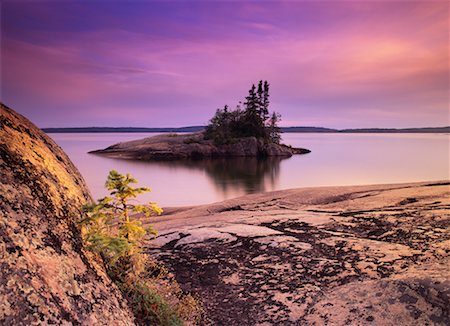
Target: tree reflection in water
250	175
239	175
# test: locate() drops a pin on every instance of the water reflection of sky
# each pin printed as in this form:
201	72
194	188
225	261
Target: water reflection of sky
336	159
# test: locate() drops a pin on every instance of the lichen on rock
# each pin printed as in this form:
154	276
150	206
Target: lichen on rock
45	275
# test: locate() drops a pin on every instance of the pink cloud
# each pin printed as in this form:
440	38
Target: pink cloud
387	60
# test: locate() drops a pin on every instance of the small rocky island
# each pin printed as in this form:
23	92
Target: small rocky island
194	146
248	132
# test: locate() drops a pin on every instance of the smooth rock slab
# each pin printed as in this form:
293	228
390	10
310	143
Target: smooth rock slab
363	255
245	230
203	234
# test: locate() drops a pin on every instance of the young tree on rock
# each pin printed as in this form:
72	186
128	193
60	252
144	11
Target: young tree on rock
108	226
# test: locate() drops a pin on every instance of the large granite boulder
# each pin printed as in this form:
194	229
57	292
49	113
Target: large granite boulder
45	275
193	146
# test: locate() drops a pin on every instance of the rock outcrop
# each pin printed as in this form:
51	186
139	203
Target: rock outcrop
45	275
367	255
193	146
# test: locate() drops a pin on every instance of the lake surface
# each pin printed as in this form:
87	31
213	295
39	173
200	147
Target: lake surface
336	159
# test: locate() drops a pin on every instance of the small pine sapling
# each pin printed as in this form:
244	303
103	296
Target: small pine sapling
111	226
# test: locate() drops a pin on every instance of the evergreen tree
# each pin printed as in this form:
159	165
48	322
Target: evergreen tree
220	126
254	125
251	104
274	130
108	227
260	99
253	121
265	101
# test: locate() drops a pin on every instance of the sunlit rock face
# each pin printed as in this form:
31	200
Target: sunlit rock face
45	275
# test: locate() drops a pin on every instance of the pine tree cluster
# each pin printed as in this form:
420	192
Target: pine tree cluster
228	126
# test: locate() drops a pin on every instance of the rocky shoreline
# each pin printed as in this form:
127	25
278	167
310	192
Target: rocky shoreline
362	255
193	146
365	255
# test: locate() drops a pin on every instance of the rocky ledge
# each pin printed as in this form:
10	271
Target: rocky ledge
367	255
193	146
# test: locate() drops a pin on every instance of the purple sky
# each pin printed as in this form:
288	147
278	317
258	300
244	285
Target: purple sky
151	64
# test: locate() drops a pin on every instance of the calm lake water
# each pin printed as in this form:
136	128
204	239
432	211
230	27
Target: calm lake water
336	159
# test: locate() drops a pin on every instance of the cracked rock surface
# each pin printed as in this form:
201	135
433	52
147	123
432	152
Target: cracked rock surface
365	255
45	276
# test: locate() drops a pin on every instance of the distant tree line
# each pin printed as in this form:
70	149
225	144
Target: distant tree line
254	120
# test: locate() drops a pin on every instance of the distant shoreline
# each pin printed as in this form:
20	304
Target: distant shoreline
283	129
